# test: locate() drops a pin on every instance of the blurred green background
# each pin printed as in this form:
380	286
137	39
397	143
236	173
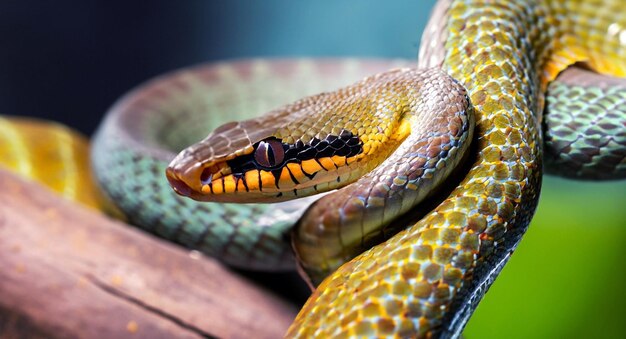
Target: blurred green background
567	277
565	280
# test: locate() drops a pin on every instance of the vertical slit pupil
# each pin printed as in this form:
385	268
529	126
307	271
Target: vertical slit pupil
270	156
269	153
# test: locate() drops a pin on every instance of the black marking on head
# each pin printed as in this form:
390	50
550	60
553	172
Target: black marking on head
238	177
310	175
293	178
271	154
276	174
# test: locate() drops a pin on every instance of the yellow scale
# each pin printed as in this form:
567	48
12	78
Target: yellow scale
53	155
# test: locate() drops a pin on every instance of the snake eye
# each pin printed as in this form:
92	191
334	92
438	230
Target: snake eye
269	153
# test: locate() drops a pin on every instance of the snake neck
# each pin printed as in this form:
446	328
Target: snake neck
527	42
505	54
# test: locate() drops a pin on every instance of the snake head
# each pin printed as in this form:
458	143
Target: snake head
314	145
245	162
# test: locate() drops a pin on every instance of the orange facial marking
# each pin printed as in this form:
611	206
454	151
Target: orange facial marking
310	166
285	178
327	163
267	180
206	189
229	184
252	180
217	187
338	160
296	171
241	187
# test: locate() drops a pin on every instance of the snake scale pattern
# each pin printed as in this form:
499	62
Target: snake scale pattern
53	155
426	280
249	236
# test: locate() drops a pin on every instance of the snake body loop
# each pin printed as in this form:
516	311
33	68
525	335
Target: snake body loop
140	136
419	121
427	279
585	136
341	225
327	141
53	155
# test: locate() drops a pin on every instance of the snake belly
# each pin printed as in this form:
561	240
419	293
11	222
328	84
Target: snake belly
426	280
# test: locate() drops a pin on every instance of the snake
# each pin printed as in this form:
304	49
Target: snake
54	156
427	279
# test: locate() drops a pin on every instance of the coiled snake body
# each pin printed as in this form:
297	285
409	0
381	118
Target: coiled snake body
427	279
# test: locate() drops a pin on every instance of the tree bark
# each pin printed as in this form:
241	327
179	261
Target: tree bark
70	272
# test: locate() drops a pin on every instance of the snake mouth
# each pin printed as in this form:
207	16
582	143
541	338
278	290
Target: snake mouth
196	180
270	170
179	186
193	181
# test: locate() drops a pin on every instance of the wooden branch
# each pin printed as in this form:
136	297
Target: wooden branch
69	272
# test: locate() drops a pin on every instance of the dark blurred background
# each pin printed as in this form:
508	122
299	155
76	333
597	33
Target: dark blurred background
69	60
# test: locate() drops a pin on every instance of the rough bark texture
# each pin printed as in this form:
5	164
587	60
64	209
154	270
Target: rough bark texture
68	272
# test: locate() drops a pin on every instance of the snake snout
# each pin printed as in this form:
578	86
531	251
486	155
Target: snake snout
179	185
185	177
193	179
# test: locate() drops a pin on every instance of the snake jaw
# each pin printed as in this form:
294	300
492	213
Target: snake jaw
178	182
255	161
194	179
